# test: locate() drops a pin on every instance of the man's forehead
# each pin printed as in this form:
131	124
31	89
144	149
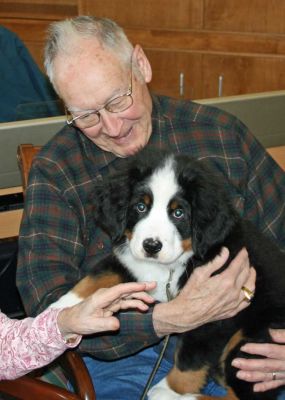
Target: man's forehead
93	57
89	85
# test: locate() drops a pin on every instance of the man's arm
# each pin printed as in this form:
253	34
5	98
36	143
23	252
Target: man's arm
264	188
206	298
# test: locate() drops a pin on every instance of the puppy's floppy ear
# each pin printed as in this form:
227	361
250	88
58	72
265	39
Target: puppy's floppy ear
212	214
111	199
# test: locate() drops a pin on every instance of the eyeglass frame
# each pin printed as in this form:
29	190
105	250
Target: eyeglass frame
97	112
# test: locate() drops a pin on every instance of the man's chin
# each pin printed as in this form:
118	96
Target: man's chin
127	152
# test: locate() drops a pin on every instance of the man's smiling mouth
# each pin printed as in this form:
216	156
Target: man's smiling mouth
123	137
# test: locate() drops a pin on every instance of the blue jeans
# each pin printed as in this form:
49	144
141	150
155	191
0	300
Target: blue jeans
126	378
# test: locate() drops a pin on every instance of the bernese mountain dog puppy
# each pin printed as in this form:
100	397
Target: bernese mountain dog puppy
167	214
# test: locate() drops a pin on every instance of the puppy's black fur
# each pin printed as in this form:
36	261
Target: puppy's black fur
210	222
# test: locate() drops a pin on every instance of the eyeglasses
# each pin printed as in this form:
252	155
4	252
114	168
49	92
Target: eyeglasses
92	118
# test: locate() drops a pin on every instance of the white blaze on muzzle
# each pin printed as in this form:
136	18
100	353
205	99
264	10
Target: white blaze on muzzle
155	236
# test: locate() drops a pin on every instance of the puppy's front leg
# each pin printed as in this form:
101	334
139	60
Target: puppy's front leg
84	288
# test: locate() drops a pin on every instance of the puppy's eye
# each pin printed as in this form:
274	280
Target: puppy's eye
178	213
141	207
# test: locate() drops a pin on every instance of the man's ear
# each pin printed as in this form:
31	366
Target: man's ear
142	63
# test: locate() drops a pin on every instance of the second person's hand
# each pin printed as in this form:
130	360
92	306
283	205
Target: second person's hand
95	314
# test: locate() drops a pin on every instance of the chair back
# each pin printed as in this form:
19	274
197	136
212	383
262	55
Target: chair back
25	155
278	153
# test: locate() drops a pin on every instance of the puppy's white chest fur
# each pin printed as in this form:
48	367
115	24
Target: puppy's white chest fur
148	270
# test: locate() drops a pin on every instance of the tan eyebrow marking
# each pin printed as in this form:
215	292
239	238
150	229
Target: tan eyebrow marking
174	204
147	199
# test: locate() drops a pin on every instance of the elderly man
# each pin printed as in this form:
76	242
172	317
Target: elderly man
111	115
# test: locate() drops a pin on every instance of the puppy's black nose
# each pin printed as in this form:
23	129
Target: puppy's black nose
152	246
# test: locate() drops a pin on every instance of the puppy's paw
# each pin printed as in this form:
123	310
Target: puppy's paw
162	391
67	300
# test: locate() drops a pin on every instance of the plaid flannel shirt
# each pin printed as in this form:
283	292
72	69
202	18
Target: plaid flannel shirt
59	241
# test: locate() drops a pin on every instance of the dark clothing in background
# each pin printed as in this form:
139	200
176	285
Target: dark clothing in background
25	92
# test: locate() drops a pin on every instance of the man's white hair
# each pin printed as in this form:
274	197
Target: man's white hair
64	39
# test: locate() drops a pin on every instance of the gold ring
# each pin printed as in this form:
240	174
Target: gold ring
248	294
274	376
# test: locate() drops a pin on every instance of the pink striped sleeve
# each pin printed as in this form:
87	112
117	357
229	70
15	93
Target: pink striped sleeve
29	343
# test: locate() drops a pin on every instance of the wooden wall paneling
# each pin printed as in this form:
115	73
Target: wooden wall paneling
242	74
246	61
209	41
38	9
242	43
162	14
167	67
245	16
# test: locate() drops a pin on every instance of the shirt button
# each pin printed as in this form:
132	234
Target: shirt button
100	245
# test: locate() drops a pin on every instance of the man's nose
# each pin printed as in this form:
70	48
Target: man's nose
111	123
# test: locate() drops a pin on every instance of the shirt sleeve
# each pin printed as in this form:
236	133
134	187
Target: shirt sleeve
30	343
263	188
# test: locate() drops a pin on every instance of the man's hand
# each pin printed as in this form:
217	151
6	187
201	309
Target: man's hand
207	298
269	372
